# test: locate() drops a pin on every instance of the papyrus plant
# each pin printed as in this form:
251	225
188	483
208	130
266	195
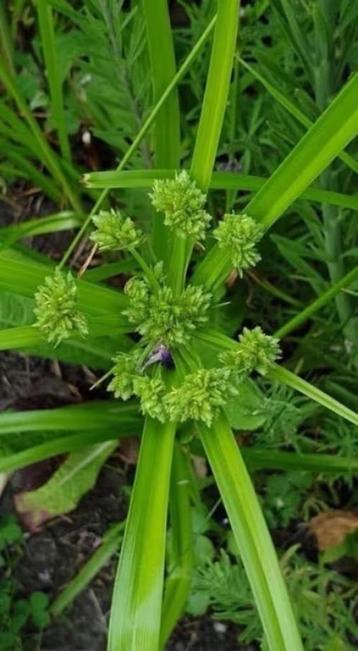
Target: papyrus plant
179	370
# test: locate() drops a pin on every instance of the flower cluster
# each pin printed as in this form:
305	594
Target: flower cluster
238	235
56	309
114	232
161	316
182	203
200	396
255	351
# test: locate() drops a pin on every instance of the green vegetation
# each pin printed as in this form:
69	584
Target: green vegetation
230	333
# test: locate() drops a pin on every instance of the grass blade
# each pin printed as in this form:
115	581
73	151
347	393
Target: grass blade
307	389
179	578
58	446
322	463
142	132
110	544
316	305
137	598
89	416
293	109
333	130
210	124
48	155
252	537
167	123
219	181
47	34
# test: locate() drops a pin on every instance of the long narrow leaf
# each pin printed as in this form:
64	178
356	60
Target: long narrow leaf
178	582
333	130
219	181
167	123
137	598
285	376
47	34
252	537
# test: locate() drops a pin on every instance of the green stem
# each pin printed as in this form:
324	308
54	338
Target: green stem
140	135
167	123
212	115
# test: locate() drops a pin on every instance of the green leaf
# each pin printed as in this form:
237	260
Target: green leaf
240	411
333	130
307	389
252	537
53	76
110	544
89	416
39	609
178	582
138	590
64	489
219	181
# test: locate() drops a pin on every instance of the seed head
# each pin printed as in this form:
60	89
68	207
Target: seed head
56	309
182	203
114	232
238	235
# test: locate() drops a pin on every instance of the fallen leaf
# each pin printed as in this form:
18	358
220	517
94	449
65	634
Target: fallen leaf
331	527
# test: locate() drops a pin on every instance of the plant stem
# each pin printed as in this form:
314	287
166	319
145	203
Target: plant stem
211	118
322	300
140	135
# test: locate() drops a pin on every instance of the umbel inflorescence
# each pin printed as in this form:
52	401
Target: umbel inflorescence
165	320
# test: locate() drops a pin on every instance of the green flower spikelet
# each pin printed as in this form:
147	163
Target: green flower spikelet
255	351
238	235
56	309
161	316
115	232
200	396
151	393
124	373
182	203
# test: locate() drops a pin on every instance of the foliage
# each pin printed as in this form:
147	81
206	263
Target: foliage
87	85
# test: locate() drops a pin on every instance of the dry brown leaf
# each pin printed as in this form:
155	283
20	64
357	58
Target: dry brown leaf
331	527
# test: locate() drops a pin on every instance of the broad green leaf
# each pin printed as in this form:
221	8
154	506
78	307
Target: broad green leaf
62	492
138	589
292	108
243	412
210	123
252	537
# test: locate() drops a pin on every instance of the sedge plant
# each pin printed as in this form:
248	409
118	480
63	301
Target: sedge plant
170	369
